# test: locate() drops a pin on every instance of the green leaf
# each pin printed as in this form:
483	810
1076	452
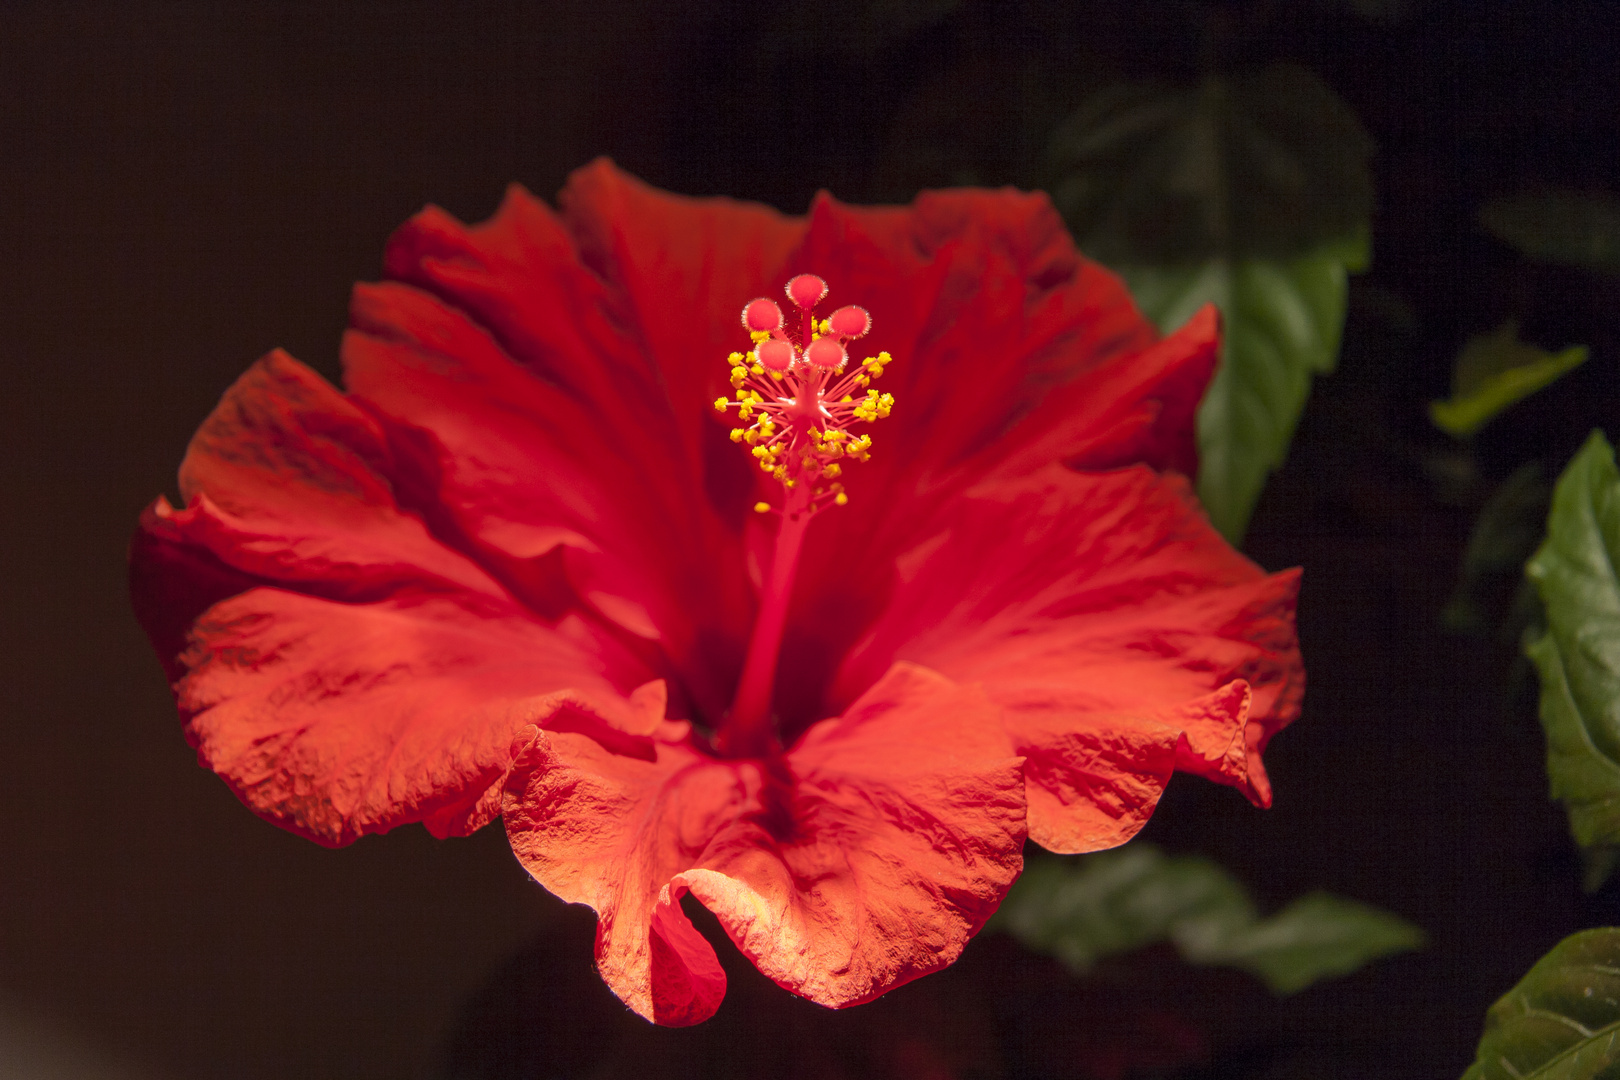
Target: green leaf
1568	227
1493	372
1578	656
1081	910
1253	194
1316	937
1562	1020
1282	323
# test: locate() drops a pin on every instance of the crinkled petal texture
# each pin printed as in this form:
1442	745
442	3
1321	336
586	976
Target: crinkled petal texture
342	668
1119	635
865	857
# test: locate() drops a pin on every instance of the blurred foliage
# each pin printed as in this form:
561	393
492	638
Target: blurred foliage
1562	1020
1492	372
1081	910
1509	527
1252	194
1578	655
1268	164
1567	227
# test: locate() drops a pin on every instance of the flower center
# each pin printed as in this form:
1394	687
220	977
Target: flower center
797	396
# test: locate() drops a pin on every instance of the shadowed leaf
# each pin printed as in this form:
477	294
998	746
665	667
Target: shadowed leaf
1506	533
1319	936
1568	227
1081	910
1270	164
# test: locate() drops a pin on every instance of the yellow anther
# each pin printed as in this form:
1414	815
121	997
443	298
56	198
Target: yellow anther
720	404
874	364
801	447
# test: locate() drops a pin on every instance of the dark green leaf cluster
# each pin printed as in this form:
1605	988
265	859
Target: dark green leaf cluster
1081	910
1270	165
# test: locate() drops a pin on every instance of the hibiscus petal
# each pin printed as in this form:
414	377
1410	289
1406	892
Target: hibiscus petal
334	720
1118	633
611	830
863	859
1013	352
296	699
553	376
908	819
986	306
1139	408
550	375
288	481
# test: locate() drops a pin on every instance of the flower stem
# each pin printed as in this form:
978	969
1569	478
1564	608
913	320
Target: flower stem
747	730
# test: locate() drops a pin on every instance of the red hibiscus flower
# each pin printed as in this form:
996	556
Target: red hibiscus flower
522	567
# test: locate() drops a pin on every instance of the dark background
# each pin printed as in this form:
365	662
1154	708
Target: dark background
185	186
